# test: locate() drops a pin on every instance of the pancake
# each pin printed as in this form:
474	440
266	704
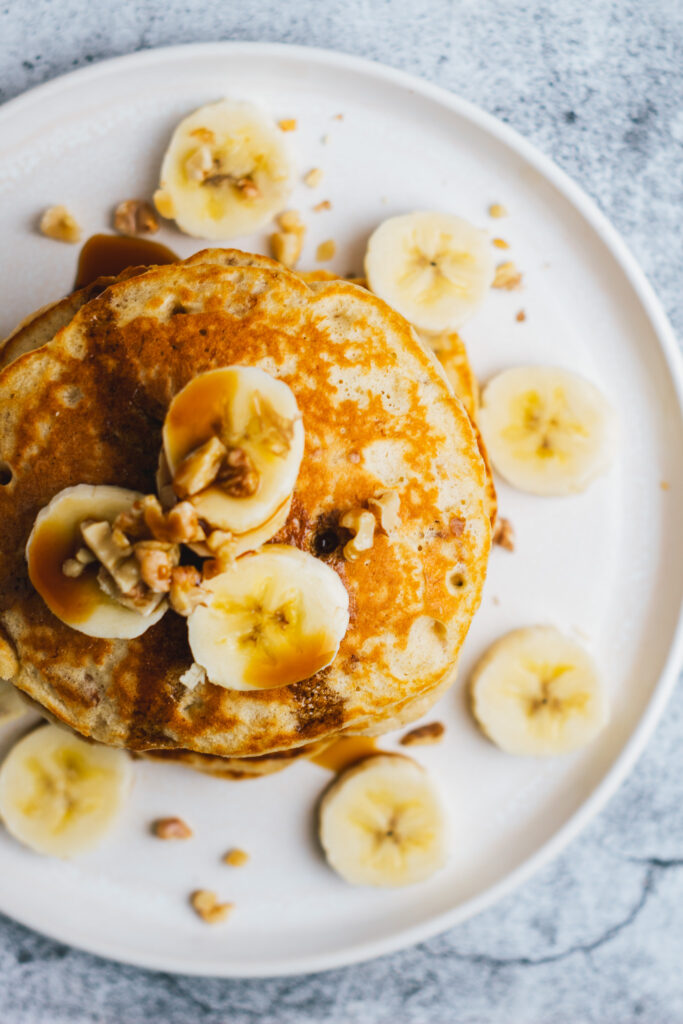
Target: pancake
88	406
40	327
238	767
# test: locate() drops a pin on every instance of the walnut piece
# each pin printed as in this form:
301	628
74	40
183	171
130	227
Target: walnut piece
238	475
424	735
456	525
314	177
504	534
180	525
286	247
507	276
386	508
288	124
200	468
290	220
497	210
236	858
9	665
171	828
157	560
521	317
500	243
274	431
362	525
326	204
199	165
185	592
194	676
206	904
61	225
135	217
72	568
326	250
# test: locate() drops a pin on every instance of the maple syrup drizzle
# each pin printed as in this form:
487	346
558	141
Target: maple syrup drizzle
346	751
108	255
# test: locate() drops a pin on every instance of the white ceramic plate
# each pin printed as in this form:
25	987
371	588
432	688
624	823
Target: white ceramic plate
607	566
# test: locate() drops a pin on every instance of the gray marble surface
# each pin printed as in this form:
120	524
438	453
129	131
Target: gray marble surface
598	935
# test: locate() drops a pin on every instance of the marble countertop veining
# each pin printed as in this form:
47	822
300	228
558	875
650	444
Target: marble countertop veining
598	935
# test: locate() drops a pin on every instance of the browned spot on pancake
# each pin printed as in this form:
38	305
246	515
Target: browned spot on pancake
318	709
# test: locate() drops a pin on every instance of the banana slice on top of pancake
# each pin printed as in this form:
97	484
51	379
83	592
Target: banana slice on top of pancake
233	441
273	618
87	572
227	171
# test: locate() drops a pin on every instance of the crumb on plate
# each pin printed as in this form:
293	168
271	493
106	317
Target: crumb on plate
61	225
288	124
497	210
236	857
424	735
171	828
507	276
314	177
504	534
206	905
326	250
326	204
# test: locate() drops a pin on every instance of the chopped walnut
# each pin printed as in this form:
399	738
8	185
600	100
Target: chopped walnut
456	525
98	536
424	735
157	560
73	568
326	250
504	534
507	276
207	906
200	468
204	135
286	247
274	431
199	164
171	828
236	858
287	124
84	556
135	217
290	220
500	243
521	317
138	597
497	210
238	475
61	225
386	508
194	676
362	525
314	177
9	665
164	204
326	204
180	525
185	592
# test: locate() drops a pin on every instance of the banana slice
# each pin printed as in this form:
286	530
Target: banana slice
433	268
548	431
382	823
79	600
536	692
227	171
273	618
11	704
234	440
60	795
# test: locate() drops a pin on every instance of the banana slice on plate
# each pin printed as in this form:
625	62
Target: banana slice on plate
60	795
233	440
227	171
273	618
70	579
11	704
548	431
433	268
382	823
536	693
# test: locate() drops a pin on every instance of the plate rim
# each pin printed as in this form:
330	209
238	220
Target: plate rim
658	320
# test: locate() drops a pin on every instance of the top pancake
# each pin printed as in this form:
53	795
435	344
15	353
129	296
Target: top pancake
87	408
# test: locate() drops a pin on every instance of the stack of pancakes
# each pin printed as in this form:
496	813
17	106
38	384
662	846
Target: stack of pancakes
84	387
